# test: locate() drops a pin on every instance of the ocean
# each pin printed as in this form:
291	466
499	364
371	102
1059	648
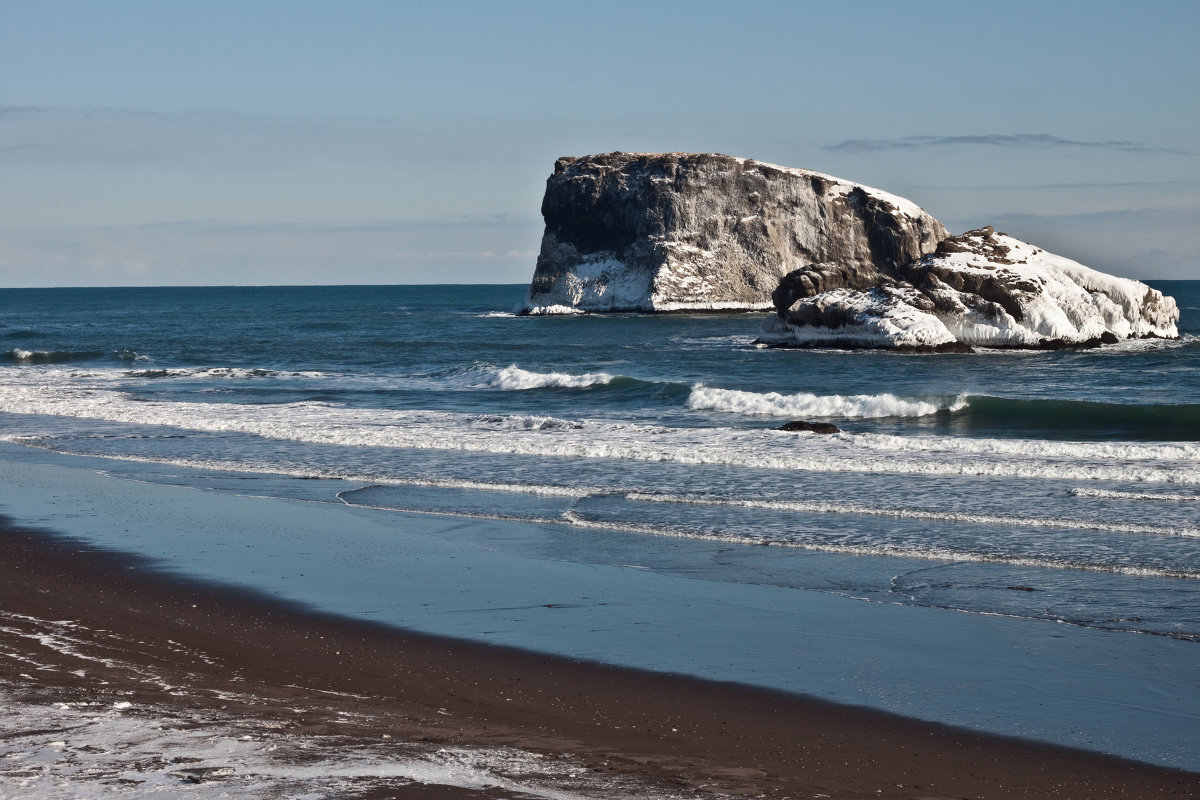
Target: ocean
1059	487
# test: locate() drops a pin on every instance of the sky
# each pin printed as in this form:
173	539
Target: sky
266	143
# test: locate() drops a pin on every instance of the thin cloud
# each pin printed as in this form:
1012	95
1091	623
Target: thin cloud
1142	215
213	142
231	143
449	226
16	112
427	255
1026	140
23	148
1181	224
1076	185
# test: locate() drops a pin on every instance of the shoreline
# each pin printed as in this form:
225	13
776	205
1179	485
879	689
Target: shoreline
158	640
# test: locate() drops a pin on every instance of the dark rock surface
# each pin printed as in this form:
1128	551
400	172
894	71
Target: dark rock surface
680	232
842	264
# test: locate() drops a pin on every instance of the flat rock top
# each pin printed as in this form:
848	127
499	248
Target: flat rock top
619	161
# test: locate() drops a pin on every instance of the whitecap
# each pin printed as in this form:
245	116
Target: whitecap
553	310
321	423
1109	494
513	378
774	404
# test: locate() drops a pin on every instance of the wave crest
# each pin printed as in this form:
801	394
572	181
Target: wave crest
513	378
19	356
1109	494
773	404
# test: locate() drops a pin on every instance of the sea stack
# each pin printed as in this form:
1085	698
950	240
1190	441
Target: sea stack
706	232
841	264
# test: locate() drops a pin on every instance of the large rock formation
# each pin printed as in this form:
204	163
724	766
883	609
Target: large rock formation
843	265
680	232
979	289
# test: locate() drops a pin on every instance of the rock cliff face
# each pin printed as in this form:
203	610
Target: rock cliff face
680	232
979	289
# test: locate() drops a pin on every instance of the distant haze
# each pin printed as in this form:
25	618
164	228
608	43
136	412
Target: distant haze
146	143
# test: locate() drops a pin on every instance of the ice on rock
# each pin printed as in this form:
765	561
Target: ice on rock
981	289
844	265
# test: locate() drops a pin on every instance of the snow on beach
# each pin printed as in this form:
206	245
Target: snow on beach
123	725
77	748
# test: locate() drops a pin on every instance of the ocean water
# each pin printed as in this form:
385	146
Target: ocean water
1061	486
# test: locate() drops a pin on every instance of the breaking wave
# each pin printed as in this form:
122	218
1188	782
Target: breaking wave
773	404
540	435
513	378
19	356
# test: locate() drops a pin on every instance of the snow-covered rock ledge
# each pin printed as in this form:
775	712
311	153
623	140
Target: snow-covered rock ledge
706	232
981	289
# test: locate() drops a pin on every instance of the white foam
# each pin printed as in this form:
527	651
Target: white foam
21	355
515	378
479	376
553	309
774	404
1034	448
827	507
1110	494
325	423
682	530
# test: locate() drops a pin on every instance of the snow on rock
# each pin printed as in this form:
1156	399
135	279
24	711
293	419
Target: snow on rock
688	232
843	265
980	289
882	317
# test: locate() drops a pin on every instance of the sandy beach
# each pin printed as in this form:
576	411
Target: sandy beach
87	626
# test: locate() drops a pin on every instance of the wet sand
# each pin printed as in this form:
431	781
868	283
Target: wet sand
83	625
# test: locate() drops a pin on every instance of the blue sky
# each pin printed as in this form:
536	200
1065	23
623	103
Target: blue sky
153	143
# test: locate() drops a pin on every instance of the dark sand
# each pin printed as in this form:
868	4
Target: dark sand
242	654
